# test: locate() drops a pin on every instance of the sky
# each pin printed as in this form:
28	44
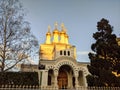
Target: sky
80	17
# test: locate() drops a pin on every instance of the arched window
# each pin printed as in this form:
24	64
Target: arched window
49	80
68	53
60	52
64	52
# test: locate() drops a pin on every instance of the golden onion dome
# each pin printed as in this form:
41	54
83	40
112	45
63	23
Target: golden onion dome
48	33
63	32
66	35
56	30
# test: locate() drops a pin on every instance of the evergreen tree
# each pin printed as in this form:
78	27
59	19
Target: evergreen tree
105	58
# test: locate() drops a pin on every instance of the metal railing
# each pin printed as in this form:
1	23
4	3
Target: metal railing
19	87
98	88
29	87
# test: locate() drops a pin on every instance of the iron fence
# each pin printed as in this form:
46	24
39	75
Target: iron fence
29	87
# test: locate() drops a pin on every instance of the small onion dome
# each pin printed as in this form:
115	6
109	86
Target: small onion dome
66	36
63	32
48	33
56	31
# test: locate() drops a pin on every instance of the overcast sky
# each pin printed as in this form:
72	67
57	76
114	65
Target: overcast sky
80	17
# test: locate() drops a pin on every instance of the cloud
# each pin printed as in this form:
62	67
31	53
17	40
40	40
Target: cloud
83	52
82	56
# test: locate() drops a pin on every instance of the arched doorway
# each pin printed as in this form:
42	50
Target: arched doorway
62	80
50	76
80	78
65	77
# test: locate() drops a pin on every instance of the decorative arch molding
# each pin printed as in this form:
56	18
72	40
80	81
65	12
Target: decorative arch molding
73	66
66	62
50	67
84	70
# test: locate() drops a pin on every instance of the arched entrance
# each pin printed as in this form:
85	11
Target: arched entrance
50	77
62	80
65	77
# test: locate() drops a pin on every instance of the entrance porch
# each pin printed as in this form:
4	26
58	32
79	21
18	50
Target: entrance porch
63	78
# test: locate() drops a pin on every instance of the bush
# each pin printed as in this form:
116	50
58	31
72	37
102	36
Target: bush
19	78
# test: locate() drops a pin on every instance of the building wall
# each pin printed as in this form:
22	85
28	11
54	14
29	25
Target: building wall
29	68
58	56
56	41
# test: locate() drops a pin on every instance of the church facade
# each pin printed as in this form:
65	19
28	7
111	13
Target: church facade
58	65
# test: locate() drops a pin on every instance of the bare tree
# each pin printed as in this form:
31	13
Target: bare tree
16	40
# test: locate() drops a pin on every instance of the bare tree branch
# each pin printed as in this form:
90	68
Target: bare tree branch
16	40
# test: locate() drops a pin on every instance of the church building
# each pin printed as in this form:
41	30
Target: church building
58	65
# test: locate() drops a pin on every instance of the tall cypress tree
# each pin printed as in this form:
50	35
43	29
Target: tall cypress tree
105	58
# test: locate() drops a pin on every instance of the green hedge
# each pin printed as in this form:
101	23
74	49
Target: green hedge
19	78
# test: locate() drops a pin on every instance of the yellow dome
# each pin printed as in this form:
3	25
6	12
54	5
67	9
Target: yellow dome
48	33
63	32
66	35
56	31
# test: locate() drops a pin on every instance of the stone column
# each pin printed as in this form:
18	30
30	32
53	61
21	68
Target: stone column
45	78
70	78
46	74
76	79
56	75
40	77
84	79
